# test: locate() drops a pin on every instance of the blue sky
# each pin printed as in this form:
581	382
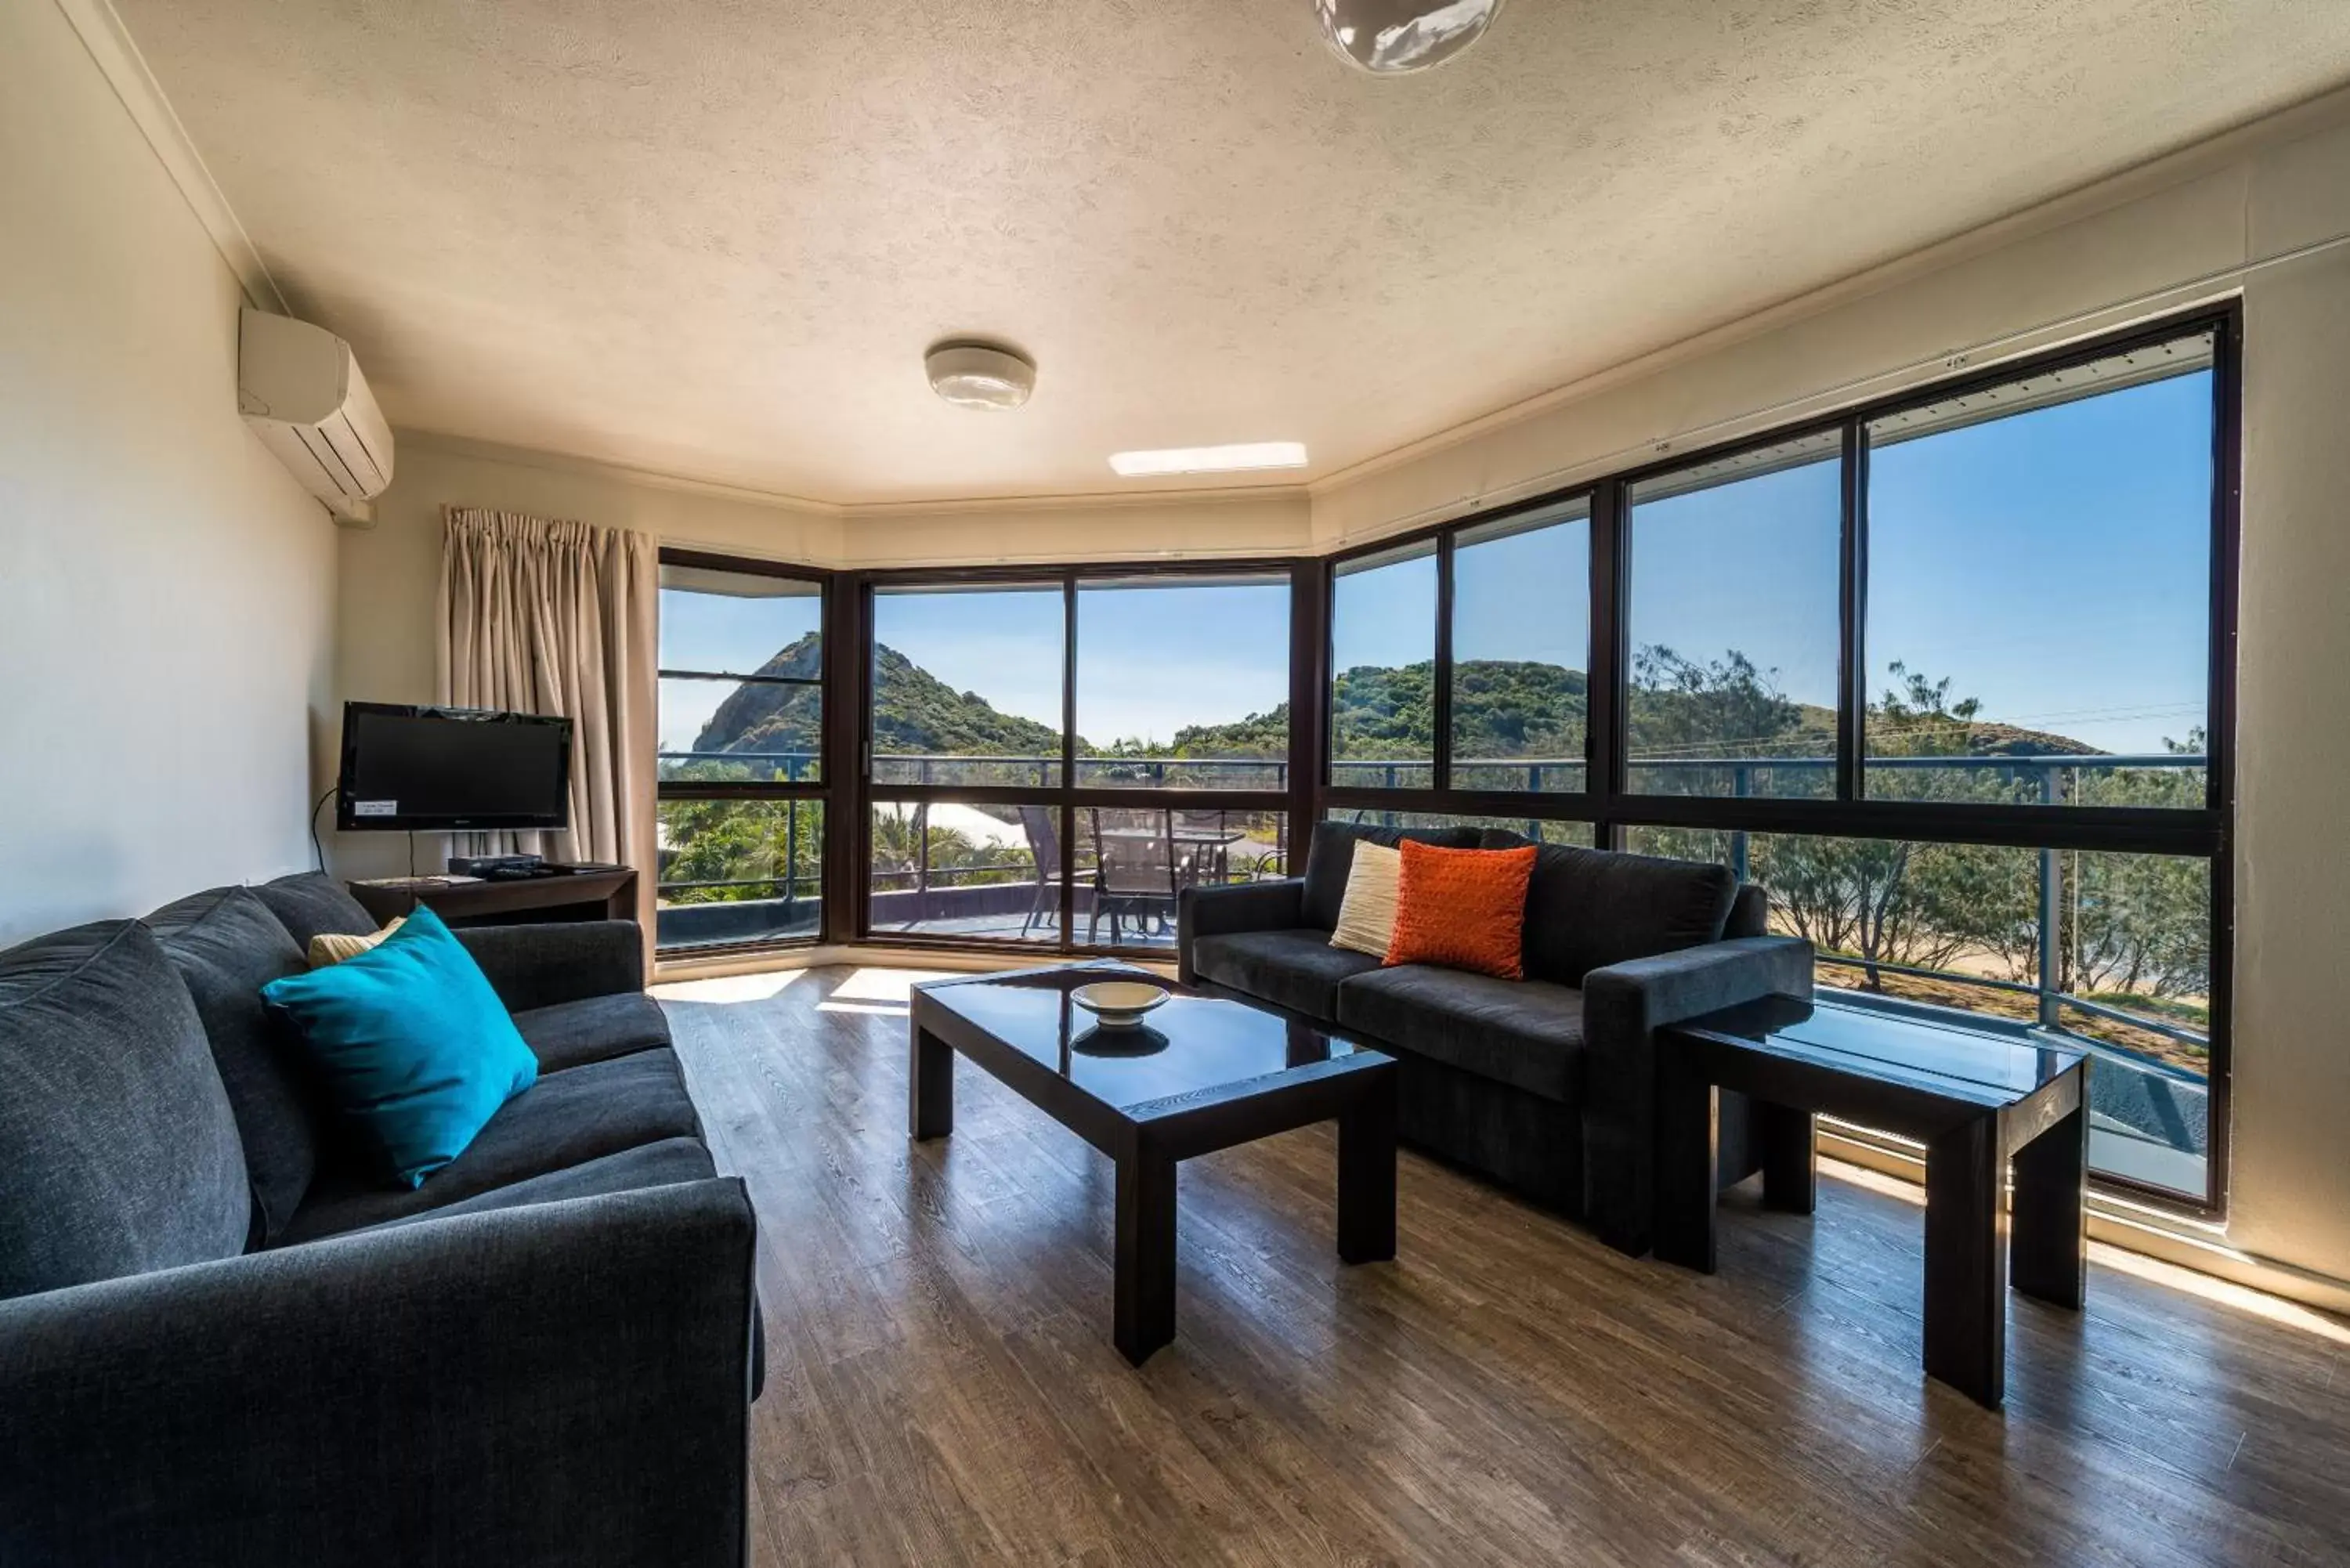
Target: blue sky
2054	564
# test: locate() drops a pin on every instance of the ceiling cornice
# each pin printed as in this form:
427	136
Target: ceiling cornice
118	59
876	511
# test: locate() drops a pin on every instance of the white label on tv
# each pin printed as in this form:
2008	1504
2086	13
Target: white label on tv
375	808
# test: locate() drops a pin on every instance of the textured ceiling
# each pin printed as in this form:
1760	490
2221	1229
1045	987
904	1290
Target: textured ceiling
712	238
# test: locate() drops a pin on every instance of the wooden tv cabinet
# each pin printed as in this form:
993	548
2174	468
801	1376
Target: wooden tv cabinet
573	895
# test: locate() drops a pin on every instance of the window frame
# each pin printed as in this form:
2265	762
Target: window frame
2204	831
822	789
1307	585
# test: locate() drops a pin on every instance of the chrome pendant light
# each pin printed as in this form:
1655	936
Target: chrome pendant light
1389	38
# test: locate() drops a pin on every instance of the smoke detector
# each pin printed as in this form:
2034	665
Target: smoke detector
980	375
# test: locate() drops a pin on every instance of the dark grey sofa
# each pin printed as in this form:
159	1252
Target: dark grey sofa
1546	1084
224	1340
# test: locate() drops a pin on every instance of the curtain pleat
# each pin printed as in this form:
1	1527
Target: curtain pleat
544	616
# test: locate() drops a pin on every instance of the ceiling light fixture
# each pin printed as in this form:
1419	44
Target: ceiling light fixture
1389	38
1210	459
976	375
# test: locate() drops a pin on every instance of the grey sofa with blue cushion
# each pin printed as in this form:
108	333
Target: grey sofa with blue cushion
1547	1083
224	1338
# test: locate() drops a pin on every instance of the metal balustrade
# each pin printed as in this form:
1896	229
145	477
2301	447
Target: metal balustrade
2030	779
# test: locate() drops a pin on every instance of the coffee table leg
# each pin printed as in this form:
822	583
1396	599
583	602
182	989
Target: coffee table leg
1367	1173
1790	1174
2048	1239
1144	1315
1966	1266
930	1086
1688	1162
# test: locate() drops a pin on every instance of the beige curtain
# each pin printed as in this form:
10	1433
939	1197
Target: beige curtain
546	616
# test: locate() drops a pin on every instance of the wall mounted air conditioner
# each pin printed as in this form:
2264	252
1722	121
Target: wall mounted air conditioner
299	388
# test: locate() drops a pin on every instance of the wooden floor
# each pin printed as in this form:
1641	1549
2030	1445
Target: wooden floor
941	1387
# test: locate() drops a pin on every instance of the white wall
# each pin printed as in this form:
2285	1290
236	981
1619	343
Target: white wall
166	589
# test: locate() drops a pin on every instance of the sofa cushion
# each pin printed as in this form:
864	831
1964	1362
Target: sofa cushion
1587	908
119	1152
674	1159
1750	913
1463	909
593	1029
1298	970
226	945
309	902
1527	1033
568	1119
1331	859
412	1042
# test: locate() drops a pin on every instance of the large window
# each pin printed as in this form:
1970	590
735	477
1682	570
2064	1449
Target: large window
740	823
1732	624
2040	587
1521	651
1383	671
967	684
994	820
1183	682
1946	675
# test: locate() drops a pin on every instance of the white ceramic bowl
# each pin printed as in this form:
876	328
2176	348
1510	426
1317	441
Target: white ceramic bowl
1119	1003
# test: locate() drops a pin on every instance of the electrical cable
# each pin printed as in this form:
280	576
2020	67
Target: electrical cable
316	847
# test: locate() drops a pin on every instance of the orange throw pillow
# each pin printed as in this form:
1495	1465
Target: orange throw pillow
1463	909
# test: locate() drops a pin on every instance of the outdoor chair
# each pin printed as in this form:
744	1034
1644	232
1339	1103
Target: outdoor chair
1136	877
1045	845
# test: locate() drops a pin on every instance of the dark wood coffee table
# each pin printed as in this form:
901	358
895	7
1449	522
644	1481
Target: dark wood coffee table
1976	1099
1202	1073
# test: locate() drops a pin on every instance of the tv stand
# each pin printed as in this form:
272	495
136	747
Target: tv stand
558	893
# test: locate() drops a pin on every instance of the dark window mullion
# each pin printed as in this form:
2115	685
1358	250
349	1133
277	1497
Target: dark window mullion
1440	706
1605	697
1852	609
1066	795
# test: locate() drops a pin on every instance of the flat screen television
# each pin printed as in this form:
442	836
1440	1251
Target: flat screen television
419	770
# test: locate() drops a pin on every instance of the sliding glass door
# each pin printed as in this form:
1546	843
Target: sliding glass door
1052	762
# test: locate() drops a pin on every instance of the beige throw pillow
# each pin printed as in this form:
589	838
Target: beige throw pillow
1367	914
333	947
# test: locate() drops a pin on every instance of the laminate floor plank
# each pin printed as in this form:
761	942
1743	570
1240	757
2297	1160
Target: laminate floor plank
941	1387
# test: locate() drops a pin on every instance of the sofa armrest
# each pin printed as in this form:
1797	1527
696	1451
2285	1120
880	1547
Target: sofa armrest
556	1384
1624	1004
557	961
1220	911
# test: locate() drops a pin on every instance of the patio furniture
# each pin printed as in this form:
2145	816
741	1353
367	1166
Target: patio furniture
1045	844
1136	877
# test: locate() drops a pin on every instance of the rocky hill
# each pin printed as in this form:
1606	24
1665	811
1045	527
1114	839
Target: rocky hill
1500	707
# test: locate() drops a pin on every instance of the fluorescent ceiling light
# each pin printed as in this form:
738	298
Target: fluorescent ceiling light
1210	459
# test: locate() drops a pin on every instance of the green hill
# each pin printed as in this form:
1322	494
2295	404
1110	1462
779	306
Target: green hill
913	712
1500	707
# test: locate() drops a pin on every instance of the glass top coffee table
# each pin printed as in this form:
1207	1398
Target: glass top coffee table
1201	1073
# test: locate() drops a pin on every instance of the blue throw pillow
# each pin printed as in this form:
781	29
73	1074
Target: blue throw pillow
412	1042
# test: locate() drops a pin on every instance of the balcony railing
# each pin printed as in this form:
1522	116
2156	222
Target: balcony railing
2042	779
